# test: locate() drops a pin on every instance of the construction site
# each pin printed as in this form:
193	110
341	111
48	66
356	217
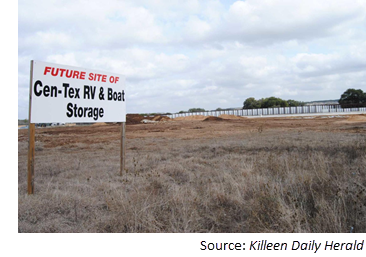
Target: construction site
198	174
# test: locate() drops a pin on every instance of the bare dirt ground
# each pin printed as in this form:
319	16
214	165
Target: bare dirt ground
224	174
192	128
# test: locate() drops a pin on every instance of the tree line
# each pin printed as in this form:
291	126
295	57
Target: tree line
349	99
270	102
352	98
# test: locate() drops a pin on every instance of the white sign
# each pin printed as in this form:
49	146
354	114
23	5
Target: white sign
60	93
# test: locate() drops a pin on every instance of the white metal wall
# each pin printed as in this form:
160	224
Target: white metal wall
274	111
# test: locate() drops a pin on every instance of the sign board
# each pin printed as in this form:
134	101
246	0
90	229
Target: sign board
61	93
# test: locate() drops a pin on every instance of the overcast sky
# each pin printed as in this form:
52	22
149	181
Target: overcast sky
178	55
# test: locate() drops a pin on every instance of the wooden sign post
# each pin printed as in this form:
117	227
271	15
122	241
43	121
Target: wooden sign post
123	149
31	140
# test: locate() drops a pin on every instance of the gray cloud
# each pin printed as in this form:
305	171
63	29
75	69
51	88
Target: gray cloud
177	55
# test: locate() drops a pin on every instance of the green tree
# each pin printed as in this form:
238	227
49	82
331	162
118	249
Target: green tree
196	110
295	103
251	103
352	98
272	101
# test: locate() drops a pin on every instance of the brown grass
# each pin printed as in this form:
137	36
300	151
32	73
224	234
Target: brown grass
260	180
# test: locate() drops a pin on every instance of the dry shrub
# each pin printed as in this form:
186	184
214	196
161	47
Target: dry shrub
266	182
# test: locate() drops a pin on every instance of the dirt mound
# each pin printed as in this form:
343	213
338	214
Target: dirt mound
213	118
192	117
137	118
354	119
357	118
134	118
231	117
161	118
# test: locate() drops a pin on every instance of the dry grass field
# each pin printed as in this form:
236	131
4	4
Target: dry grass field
218	175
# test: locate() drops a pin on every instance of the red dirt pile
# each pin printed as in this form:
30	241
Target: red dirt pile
160	118
134	118
137	118
213	118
